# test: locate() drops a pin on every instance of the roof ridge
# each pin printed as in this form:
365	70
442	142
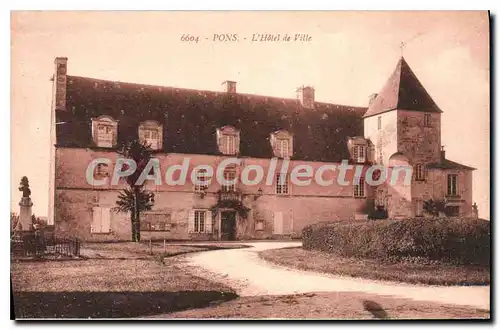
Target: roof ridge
278	98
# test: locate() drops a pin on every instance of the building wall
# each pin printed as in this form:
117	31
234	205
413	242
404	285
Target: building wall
419	143
384	140
76	198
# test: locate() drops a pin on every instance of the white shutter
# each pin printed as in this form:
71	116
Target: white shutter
278	223
105	220
95	227
191	221
208	222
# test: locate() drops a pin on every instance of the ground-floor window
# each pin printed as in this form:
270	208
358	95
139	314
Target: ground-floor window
101	220
200	221
359	189
453	210
419	208
282	223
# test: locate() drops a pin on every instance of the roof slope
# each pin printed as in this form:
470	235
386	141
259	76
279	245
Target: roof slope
190	119
447	164
403	91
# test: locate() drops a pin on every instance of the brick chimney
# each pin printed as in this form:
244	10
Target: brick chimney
229	86
372	98
60	80
305	94
443	154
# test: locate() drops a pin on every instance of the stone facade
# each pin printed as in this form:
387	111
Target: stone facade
76	199
402	126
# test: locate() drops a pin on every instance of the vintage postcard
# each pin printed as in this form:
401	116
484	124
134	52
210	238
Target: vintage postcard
250	165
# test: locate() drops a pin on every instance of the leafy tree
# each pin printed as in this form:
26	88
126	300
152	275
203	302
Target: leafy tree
135	198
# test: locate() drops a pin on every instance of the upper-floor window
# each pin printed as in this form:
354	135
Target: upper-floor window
419	172
427	119
379	123
230	177
228	140
104	131
202	180
282	186
151	133
359	153
359	188
282	144
452	185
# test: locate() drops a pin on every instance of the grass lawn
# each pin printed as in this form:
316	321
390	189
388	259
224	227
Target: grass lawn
329	305
117	280
439	274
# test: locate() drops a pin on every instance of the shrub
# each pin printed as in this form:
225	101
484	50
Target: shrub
452	240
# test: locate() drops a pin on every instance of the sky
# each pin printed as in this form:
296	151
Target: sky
350	56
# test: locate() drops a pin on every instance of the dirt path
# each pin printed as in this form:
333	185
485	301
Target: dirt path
243	270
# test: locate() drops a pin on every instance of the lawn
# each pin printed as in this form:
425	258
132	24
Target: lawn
115	280
329	305
434	274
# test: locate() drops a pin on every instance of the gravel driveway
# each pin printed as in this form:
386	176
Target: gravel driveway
244	271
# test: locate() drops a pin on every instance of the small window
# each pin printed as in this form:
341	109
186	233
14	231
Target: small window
104	131
379	123
101	220
452	185
359	153
427	120
229	175
419	172
229	144
452	210
282	186
228	140
202	180
359	188
150	133
283	146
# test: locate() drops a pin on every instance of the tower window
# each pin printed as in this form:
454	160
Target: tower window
419	172
427	120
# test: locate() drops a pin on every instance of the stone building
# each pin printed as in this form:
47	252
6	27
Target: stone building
91	117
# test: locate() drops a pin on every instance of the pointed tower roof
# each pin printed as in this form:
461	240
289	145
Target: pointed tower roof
402	91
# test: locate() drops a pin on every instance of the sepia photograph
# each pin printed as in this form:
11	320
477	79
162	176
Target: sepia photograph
250	165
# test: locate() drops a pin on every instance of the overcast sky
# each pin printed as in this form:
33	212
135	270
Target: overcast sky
350	56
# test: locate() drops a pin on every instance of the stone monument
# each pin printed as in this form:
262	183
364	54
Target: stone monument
25	223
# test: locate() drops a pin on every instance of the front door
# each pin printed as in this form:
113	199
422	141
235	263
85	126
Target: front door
228	225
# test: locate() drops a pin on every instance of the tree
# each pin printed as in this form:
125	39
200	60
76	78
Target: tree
135	198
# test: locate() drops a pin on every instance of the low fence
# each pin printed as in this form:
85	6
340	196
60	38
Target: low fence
34	244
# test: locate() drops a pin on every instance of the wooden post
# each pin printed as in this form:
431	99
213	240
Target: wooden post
150	246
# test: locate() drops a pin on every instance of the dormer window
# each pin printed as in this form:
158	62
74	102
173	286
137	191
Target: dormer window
358	148
359	153
151	133
228	140
282	144
104	131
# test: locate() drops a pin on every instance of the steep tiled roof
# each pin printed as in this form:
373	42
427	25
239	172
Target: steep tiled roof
190	118
402	91
447	164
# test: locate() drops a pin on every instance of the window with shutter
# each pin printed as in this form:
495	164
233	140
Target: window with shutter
101	220
208	221
191	221
278	223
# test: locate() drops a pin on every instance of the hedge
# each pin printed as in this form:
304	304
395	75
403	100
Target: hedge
453	240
